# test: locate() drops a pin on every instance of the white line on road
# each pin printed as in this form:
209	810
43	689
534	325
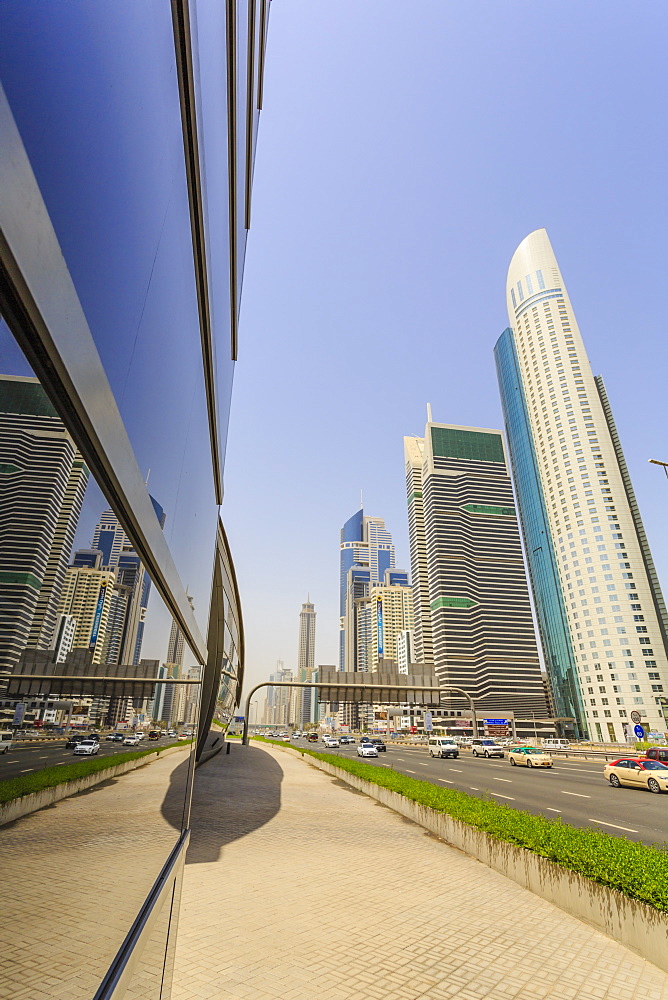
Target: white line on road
579	795
25	769
409	771
423	763
457	769
509	797
509	780
473	788
446	781
613	825
550	810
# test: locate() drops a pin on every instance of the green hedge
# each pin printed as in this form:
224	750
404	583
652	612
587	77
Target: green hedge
637	870
49	777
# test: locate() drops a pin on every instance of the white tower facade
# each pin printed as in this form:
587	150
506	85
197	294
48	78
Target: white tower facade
601	613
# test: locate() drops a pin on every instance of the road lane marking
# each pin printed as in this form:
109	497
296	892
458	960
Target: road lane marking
580	770
553	810
509	797
457	769
25	769
579	795
613	825
509	780
446	781
423	763
473	788
409	770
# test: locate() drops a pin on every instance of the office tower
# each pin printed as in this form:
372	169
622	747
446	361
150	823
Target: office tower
471	590
86	596
389	611
405	647
278	700
43	483
601	614
366	551
132	588
170	701
304	699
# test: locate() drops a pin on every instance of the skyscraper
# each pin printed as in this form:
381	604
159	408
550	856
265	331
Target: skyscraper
389	608
43	482
86	597
470	585
304	698
600	610
366	551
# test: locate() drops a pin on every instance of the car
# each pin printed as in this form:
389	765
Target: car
379	745
183	736
487	748
346	741
312	738
140	734
172	733
87	747
554	744
131	740
73	739
442	746
366	750
657	753
155	734
6	737
330	741
529	757
365	739
639	772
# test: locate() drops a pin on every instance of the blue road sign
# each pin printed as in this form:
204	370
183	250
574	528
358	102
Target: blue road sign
639	731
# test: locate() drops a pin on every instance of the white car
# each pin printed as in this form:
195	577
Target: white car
140	735
331	741
487	748
87	748
131	741
367	750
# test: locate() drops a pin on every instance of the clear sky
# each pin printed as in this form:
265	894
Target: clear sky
405	149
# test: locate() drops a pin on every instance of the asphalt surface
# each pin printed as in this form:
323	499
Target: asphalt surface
28	757
576	791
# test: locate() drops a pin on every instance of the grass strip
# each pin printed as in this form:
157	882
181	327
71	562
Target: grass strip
49	777
637	870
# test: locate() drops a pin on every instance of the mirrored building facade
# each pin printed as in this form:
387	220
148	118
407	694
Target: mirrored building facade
127	138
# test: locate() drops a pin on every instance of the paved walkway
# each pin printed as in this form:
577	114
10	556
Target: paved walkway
299	888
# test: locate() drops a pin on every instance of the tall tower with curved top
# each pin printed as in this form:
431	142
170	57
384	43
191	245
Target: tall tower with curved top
601	615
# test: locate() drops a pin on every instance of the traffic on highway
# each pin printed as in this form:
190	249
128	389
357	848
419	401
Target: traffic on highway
25	756
609	796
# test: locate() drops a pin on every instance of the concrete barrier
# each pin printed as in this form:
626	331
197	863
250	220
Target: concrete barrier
636	925
9	811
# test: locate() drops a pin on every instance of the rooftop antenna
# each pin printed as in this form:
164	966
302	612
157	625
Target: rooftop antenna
361	500
429	418
147	478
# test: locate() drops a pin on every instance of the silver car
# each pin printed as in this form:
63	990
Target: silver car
87	748
367	750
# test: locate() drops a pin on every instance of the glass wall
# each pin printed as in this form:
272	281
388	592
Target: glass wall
550	613
127	135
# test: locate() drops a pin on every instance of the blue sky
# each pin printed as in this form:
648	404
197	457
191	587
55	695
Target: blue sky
405	150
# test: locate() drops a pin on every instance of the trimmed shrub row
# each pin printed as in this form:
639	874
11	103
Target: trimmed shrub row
639	871
48	777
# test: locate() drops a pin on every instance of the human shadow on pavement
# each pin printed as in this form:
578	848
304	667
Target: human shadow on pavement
234	795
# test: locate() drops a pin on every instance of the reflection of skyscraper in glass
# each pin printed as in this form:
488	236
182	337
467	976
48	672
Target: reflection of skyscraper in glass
168	699
132	589
42	484
600	610
366	552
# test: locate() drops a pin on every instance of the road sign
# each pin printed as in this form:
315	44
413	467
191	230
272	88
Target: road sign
428	722
635	717
496	722
639	731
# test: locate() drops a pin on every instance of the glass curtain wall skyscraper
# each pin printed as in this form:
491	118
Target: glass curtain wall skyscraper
599	605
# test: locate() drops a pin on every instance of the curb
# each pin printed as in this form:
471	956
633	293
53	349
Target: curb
27	804
634	924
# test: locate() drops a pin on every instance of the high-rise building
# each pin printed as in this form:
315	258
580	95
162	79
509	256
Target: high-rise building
304	698
43	480
131	591
470	586
599	605
171	702
86	596
405	653
366	552
389	608
278	700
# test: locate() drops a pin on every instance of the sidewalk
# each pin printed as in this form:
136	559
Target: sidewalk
299	888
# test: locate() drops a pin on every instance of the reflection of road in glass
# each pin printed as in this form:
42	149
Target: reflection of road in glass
85	866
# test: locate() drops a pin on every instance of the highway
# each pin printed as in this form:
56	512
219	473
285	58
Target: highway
575	791
24	758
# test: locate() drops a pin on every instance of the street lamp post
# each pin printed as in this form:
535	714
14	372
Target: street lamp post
653	461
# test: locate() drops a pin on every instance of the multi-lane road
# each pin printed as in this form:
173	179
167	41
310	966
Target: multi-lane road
574	790
24	758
